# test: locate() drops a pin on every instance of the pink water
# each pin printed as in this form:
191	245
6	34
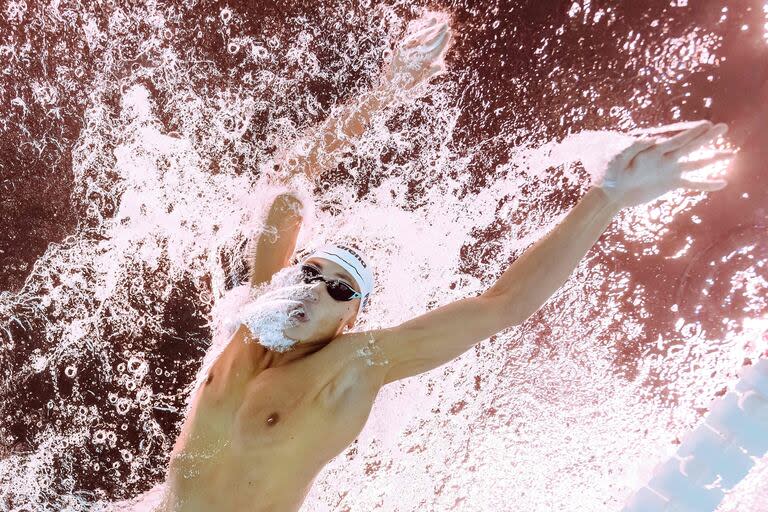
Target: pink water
137	156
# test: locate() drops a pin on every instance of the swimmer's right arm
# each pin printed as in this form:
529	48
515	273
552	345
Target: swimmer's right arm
414	63
277	241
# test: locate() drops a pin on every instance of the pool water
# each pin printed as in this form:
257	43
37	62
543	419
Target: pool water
136	145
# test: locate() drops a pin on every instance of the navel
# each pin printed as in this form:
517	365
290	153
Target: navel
209	379
273	419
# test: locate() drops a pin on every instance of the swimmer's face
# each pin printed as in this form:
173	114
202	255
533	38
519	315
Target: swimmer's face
326	318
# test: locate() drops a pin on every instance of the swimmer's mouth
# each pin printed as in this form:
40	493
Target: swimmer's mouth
300	313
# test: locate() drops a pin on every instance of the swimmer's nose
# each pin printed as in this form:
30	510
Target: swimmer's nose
313	292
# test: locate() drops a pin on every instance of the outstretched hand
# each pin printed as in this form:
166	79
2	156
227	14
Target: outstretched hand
417	57
650	167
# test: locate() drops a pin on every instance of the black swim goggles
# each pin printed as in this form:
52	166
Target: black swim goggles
338	290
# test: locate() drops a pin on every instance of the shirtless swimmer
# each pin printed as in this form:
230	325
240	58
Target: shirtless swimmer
266	420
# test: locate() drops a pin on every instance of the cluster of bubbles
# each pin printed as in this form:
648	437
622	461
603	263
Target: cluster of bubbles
273	311
170	176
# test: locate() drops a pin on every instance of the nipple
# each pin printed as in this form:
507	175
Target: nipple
273	418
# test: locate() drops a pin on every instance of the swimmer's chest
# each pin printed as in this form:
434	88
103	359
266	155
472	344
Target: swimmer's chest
311	410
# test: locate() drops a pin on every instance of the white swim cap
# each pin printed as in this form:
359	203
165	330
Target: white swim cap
353	262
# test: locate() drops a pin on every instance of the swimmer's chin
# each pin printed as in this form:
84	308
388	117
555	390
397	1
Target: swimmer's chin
297	333
302	334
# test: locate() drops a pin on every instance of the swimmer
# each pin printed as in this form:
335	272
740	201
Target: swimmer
267	418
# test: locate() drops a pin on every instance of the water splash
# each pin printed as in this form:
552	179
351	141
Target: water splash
275	309
182	112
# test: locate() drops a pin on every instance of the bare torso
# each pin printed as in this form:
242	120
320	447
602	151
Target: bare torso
256	442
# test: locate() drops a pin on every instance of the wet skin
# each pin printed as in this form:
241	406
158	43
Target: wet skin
264	423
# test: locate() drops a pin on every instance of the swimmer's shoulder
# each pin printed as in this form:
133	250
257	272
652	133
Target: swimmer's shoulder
350	367
234	366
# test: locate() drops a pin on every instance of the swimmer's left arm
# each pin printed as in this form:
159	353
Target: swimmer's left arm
642	172
441	335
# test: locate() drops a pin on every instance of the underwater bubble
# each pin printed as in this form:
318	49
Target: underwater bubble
228	123
123	406
259	52
133	364
137	366
143	396
70	371
691	331
68	483
226	15
39	363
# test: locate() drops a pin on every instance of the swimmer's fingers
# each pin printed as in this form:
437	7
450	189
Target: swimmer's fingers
431	30
625	157
431	24
702	186
431	51
695	165
437	38
439	46
699	141
684	137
